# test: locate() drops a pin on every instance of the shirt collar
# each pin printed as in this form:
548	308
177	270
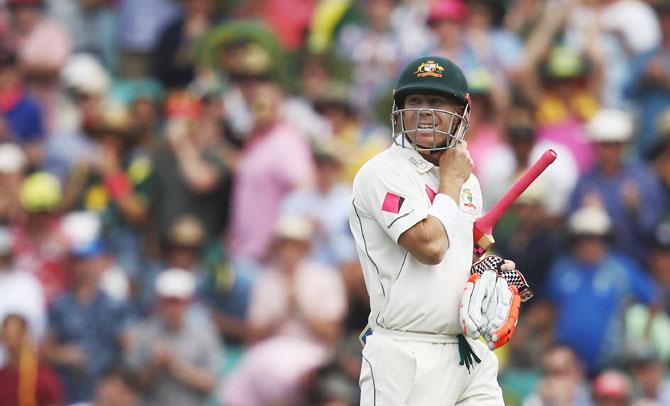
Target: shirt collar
415	159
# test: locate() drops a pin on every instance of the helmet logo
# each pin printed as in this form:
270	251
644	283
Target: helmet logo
429	68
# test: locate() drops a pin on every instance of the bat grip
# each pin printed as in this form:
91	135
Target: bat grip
487	222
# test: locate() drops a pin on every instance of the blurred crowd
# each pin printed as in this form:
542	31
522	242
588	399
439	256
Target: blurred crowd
175	187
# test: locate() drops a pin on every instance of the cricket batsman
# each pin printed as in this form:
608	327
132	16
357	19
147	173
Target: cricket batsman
412	213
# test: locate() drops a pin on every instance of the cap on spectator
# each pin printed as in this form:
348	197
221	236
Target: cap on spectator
12	158
564	63
611	384
294	227
114	119
590	221
334	94
243	49
609	125
533	195
662	235
175	283
88	249
6	241
83	73
40	192
326	152
183	105
80	227
187	231
480	81
447	10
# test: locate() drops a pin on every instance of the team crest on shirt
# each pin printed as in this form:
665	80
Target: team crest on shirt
429	68
467	201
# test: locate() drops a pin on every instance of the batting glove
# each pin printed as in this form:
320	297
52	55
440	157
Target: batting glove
476	298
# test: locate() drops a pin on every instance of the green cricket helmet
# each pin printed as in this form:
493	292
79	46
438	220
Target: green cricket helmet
430	75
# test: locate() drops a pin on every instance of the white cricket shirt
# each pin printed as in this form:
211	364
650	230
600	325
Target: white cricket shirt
391	193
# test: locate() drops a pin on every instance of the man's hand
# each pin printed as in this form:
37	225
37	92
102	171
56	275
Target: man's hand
491	301
456	163
503	314
476	298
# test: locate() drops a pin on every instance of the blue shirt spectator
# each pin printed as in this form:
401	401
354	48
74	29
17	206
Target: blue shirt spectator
650	96
631	193
96	328
633	228
589	300
24	120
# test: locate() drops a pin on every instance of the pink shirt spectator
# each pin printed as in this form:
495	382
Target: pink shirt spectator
570	133
273	369
486	140
320	295
270	167
47	45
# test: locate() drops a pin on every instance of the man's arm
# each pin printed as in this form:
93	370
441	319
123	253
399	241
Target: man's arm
428	240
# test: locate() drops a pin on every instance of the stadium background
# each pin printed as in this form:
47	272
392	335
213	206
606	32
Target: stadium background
174	192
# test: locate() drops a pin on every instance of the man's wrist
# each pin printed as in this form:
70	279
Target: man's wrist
446	210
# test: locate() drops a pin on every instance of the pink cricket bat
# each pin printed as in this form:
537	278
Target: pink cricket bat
483	229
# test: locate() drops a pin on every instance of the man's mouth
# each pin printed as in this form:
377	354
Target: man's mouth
425	126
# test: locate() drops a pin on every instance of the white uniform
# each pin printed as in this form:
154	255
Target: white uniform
412	357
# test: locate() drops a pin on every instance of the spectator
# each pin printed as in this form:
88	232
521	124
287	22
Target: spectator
352	141
296	312
20	114
92	25
85	87
505	163
631	193
43	46
81	344
373	43
141	24
191	169
12	167
116	387
38	248
25	379
275	159
611	388
175	359
21	292
648	370
84	227
326	204
563	86
593	276
173	62
490	116
492	42
563	380
649	84
605	28
116	183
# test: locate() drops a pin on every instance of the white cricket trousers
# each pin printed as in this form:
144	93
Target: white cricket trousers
400	370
